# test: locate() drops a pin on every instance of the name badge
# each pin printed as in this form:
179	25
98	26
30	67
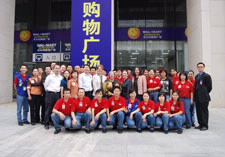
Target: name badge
63	106
129	105
143	107
80	104
96	104
201	82
172	108
113	103
24	88
73	83
151	81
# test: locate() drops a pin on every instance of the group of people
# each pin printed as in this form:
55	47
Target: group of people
87	96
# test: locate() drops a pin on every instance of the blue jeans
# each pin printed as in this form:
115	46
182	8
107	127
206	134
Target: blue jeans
57	121
193	111
150	120
102	119
167	98
162	121
117	118
154	96
22	104
176	122
131	123
82	119
187	106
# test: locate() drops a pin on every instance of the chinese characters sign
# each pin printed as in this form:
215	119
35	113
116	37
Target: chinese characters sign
92	33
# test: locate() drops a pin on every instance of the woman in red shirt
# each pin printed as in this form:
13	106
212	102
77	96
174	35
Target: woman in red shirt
177	113
186	94
145	114
161	113
154	85
191	78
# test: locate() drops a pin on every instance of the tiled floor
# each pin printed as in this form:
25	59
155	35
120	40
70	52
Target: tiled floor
27	141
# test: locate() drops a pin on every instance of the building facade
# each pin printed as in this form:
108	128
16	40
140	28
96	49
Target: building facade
202	36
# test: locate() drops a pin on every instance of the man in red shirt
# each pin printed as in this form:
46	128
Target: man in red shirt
99	107
116	110
81	111
62	112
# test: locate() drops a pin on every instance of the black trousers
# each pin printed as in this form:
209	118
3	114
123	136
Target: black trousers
202	113
35	103
43	108
89	94
50	98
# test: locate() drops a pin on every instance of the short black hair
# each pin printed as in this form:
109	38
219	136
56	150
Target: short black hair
131	91
93	68
117	88
81	89
98	91
24	65
201	63
66	90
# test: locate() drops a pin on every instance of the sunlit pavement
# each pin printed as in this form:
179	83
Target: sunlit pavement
27	140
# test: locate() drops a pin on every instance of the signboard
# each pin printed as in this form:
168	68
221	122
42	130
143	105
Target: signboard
92	33
151	34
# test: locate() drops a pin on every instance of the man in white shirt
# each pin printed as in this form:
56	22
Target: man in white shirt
52	88
98	80
85	81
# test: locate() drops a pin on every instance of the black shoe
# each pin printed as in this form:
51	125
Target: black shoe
67	129
104	130
193	124
180	131
120	131
27	122
51	123
20	123
114	128
88	131
47	127
32	123
188	127
57	131
152	129
198	127
166	131
139	130
203	128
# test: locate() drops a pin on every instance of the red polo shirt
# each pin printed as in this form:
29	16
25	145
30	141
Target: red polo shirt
64	107
120	79
185	89
175	81
145	108
165	107
117	104
99	106
153	82
81	105
174	108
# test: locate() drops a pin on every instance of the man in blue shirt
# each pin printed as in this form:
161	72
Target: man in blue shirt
20	86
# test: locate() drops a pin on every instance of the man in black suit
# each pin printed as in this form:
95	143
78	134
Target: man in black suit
202	97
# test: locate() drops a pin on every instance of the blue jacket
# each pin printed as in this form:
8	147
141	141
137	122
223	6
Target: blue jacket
22	85
132	107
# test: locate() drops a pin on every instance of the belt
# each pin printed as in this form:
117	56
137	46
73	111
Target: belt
53	92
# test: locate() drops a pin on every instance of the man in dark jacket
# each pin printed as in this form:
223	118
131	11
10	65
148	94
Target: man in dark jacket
202	97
